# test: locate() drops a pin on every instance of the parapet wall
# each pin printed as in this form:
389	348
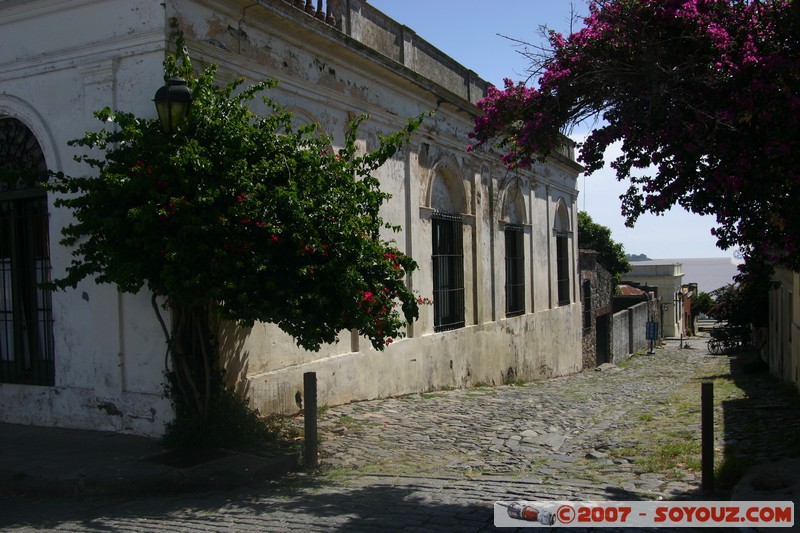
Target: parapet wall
373	29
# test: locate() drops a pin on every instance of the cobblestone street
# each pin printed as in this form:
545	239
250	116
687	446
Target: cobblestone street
575	437
438	461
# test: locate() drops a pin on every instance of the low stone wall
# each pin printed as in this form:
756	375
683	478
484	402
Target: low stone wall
620	339
637	326
629	332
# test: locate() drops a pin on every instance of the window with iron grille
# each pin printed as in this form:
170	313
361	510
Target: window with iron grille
26	314
562	268
587	305
515	271
448	272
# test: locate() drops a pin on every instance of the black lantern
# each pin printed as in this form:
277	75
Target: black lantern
173	102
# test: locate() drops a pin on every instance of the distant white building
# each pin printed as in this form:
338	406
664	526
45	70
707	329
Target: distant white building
666	277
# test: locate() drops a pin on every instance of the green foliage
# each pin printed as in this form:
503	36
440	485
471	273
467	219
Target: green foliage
611	254
237	216
22	178
701	302
241	212
230	423
741	305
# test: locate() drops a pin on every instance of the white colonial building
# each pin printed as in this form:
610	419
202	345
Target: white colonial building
666	277
497	249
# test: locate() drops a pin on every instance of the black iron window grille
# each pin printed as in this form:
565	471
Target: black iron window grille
26	312
448	272
515	271
562	268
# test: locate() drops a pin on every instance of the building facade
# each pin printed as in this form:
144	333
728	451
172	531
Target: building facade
597	293
782	347
667	279
497	249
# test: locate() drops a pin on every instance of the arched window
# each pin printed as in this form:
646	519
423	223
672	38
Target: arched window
26	316
448	272
561	230
447	239
514	216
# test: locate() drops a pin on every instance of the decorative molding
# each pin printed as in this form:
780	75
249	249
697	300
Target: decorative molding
14	107
93	54
26	9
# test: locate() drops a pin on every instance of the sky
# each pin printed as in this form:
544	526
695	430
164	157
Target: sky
483	36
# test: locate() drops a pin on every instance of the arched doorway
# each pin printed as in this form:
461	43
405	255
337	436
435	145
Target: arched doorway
26	316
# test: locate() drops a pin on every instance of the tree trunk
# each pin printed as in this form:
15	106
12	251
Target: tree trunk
195	359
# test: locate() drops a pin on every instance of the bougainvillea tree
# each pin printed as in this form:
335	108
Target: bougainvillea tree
239	216
704	97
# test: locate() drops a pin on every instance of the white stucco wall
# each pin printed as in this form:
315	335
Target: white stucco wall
109	349
783	353
520	348
433	173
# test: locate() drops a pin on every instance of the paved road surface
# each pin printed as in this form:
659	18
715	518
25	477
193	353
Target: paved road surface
438	461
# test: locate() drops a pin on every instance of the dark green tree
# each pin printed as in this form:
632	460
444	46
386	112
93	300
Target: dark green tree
702	302
746	302
237	216
611	254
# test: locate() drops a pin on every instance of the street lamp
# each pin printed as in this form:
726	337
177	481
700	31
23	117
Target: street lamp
173	102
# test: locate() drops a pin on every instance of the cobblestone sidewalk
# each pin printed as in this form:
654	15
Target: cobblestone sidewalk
438	461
